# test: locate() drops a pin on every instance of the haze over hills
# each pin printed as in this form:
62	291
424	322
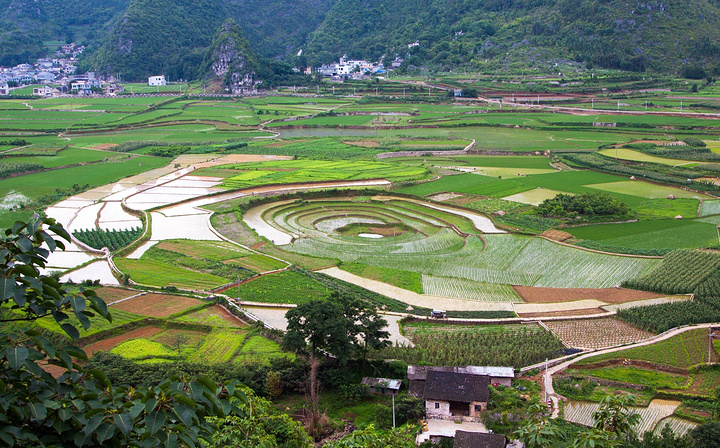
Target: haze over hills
137	38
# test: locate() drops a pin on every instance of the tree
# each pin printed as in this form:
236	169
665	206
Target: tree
80	408
313	327
615	416
260	425
365	327
706	435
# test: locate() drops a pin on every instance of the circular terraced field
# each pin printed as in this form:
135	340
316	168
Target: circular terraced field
438	250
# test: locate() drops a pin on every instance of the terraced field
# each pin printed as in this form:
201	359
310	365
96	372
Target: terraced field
445	245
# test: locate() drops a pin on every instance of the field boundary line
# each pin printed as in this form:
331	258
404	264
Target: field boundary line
654	257
559	364
128	298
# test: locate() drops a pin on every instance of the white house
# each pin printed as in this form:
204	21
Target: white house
157	81
4	89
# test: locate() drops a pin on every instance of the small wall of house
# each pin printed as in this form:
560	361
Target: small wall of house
475	413
442	412
501	381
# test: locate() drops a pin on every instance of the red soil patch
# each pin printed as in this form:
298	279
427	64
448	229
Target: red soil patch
558	235
104	146
582	312
257	246
157	305
532	294
110	343
110	294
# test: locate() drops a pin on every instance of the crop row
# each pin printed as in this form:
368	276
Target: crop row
508	347
680	272
112	239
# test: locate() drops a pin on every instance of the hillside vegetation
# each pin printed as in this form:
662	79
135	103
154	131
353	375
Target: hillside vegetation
143	37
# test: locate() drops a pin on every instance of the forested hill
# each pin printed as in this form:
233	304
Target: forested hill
633	34
137	38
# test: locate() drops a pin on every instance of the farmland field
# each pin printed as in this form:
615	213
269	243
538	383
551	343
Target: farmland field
157	305
461	266
596	333
684	350
474	345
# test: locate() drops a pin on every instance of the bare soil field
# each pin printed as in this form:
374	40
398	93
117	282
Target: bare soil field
157	305
531	294
110	294
110	343
569	313
596	333
558	235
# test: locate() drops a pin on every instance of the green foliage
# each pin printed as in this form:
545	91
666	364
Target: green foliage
660	318
112	239
261	425
681	272
8	169
684	350
694	141
169	151
587	204
35	406
464	346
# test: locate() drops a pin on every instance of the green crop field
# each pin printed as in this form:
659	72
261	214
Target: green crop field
467	345
219	346
447	183
283	287
160	274
300	171
684	350
658	234
433	249
634	375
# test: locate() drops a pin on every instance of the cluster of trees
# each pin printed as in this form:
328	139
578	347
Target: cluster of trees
8	169
585	204
112	239
171	151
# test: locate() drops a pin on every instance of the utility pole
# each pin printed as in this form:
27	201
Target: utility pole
393	403
593	104
710	344
546	377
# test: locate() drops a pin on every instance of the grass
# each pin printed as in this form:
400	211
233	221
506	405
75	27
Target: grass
447	183
143	349
684	351
658	234
402	279
283	287
219	346
260	350
97	323
300	171
645	190
68	156
159	274
634	375
637	156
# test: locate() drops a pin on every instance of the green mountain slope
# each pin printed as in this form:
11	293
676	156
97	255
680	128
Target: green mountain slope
611	33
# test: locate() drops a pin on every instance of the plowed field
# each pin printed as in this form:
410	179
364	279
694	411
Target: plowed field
608	295
157	305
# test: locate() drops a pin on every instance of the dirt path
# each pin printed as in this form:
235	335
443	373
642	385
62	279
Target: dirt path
415	299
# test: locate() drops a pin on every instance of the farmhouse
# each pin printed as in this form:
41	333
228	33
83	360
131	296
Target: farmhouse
498	375
450	395
157	81
4	89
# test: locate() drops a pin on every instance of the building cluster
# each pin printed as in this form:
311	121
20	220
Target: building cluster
356	69
55	76
455	395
